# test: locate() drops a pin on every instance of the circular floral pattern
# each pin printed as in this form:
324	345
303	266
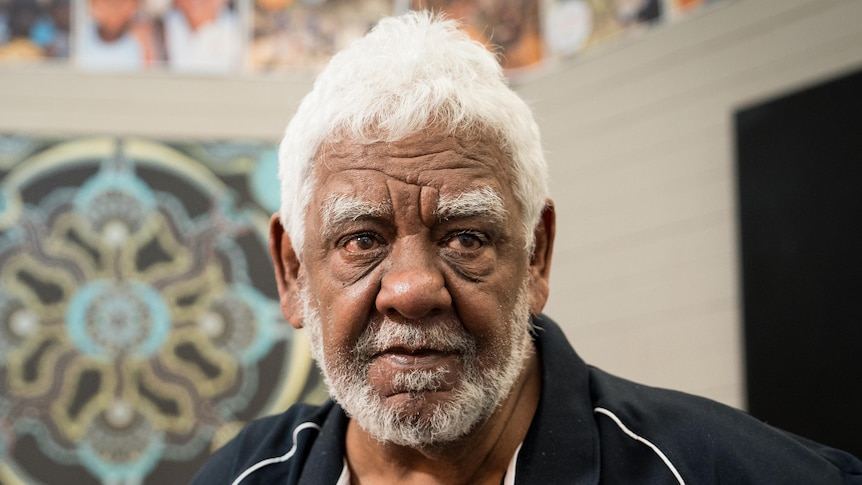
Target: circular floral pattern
139	323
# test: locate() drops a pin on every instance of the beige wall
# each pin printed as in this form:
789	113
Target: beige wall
639	134
640	138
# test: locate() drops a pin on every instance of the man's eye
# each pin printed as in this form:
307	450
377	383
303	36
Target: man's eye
466	241
361	243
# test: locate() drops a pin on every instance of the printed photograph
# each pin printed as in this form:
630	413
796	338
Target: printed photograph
304	34
34	31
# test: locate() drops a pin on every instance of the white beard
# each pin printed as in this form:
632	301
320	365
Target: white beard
486	380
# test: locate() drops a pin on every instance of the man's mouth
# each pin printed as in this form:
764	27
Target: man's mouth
413	359
401	370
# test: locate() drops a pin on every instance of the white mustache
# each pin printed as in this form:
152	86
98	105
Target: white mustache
447	336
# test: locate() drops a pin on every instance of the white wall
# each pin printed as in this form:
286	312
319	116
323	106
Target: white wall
639	134
640	138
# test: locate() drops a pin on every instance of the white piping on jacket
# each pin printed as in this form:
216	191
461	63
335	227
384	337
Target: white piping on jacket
277	459
643	440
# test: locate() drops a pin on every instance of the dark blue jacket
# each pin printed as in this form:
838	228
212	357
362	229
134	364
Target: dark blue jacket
590	428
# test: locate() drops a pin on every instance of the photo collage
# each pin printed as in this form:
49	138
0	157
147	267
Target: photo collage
265	36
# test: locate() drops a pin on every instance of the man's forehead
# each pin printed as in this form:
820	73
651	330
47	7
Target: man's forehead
420	152
423	141
440	174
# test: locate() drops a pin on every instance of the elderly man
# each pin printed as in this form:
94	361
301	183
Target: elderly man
414	245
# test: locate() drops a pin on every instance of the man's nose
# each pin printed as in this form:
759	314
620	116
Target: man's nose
413	285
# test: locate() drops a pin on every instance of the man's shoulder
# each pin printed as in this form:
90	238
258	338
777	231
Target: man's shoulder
698	437
636	400
273	432
274	444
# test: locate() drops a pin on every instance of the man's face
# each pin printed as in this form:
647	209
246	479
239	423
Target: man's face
113	17
415	280
200	12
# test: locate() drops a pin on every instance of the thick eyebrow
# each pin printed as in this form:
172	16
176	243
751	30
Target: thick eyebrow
339	208
484	202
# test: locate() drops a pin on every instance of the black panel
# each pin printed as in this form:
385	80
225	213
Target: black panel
799	165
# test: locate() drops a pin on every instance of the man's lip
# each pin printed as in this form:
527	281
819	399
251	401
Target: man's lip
401	350
413	358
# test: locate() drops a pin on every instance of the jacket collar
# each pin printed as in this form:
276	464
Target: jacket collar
563	440
325	460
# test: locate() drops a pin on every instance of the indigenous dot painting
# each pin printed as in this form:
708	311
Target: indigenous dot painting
139	320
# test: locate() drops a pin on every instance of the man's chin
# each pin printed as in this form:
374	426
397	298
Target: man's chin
416	431
419	406
416	419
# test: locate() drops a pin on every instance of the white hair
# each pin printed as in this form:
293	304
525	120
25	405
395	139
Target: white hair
408	73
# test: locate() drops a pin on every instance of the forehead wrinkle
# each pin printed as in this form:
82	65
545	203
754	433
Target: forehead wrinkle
484	202
340	208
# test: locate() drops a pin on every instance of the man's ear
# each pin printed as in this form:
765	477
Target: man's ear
540	262
287	267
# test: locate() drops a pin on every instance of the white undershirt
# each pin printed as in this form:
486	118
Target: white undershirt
509	479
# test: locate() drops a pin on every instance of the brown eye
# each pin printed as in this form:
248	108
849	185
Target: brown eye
361	243
465	241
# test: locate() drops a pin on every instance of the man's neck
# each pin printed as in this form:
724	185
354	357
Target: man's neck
479	458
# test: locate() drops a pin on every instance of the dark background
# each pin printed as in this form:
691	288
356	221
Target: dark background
799	169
